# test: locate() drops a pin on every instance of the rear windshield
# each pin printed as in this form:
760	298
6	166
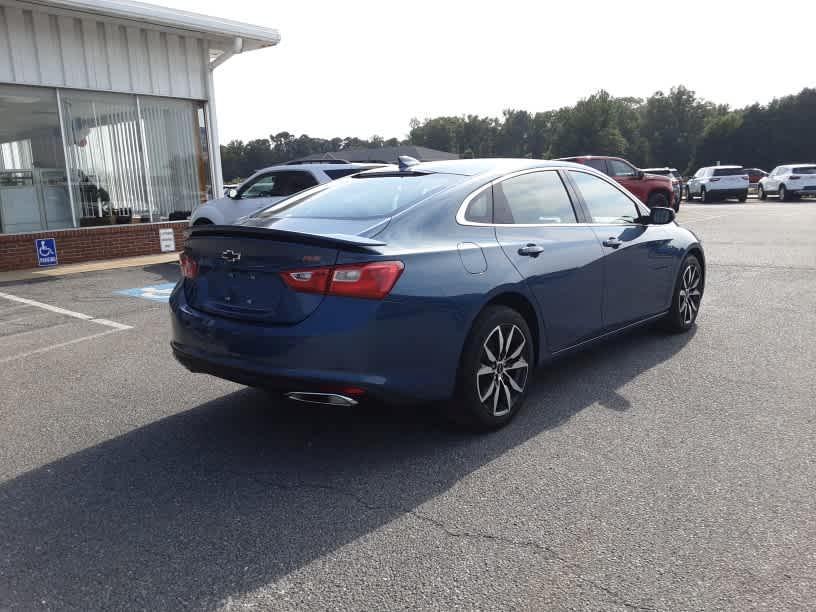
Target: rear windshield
805	170
362	197
730	171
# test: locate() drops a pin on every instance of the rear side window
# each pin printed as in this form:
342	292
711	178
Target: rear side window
598	164
805	170
278	184
362	197
480	209
729	171
534	198
336	173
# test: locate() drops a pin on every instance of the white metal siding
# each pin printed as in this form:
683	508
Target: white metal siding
40	48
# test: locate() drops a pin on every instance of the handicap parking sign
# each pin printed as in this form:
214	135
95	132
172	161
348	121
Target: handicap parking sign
46	251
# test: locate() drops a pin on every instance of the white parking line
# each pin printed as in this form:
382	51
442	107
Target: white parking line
67	313
56	346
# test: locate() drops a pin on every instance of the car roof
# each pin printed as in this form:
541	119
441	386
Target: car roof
723	167
498	165
320	166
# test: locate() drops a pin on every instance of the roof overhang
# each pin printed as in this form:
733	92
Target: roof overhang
225	35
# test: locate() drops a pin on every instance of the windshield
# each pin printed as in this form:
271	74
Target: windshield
730	171
805	170
361	197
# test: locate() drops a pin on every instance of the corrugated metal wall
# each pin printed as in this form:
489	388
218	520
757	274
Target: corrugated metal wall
40	48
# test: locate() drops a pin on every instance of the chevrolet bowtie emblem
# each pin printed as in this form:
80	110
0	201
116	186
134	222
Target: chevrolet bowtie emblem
230	256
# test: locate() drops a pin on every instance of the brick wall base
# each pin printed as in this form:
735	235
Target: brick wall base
17	251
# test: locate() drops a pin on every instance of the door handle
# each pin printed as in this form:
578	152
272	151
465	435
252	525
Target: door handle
612	242
531	250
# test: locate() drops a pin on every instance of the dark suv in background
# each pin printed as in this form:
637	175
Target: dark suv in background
651	189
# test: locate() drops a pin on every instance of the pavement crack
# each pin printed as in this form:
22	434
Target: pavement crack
573	568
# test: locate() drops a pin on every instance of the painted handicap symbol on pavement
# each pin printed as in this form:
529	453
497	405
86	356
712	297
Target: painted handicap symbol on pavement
154	293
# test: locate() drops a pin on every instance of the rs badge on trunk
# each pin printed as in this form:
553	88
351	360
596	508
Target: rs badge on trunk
230	256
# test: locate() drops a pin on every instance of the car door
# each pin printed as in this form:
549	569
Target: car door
560	260
772	184
638	258
694	182
627	175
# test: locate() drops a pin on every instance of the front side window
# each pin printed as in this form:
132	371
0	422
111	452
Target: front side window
620	169
606	203
262	187
534	198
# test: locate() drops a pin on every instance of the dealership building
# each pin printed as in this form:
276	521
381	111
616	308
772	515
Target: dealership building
108	128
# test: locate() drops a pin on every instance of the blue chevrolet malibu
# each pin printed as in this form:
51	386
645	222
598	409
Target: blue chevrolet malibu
431	281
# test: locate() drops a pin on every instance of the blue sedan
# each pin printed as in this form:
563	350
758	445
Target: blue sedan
431	281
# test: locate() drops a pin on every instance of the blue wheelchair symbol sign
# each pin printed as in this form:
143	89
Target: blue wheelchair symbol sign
46	251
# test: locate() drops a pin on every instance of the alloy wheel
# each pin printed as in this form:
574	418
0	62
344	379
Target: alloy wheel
690	294
503	368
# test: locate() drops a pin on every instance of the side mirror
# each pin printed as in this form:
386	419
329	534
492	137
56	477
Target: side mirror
640	175
233	194
659	216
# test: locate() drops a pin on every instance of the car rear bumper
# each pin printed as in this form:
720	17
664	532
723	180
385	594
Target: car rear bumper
805	190
728	193
396	351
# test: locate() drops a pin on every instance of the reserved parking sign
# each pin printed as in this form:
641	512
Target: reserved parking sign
46	251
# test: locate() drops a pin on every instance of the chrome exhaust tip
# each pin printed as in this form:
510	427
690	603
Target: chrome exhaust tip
327	399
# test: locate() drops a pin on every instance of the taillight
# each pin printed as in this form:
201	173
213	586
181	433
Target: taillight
312	280
189	266
794	177
370	280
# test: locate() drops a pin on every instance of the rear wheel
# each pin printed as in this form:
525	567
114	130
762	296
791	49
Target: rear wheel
743	197
494	370
762	193
203	221
688	293
783	194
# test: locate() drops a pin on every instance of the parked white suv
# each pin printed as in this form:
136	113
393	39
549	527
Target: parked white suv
718	183
270	185
789	181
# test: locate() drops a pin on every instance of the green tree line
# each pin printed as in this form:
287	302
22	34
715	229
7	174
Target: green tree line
676	129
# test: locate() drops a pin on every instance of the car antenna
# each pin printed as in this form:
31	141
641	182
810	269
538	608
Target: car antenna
406	161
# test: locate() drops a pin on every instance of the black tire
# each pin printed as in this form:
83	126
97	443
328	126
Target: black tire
487	395
743	197
783	194
684	310
203	222
763	195
657	199
688	195
704	197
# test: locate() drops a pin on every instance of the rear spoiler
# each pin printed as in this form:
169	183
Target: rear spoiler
331	240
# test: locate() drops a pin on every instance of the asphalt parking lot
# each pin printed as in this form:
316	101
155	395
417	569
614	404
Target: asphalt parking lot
653	473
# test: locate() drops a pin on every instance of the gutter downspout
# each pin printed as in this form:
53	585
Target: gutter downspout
216	176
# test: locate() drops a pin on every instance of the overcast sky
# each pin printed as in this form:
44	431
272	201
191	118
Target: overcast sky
364	67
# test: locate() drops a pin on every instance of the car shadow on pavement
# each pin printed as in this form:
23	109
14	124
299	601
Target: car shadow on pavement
227	497
166	271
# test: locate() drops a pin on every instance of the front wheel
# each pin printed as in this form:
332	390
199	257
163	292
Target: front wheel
763	195
657	200
494	369
688	294
688	195
704	197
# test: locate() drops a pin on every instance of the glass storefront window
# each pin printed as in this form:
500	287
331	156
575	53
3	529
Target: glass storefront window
127	157
33	188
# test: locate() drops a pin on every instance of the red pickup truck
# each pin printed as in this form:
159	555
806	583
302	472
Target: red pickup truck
651	189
